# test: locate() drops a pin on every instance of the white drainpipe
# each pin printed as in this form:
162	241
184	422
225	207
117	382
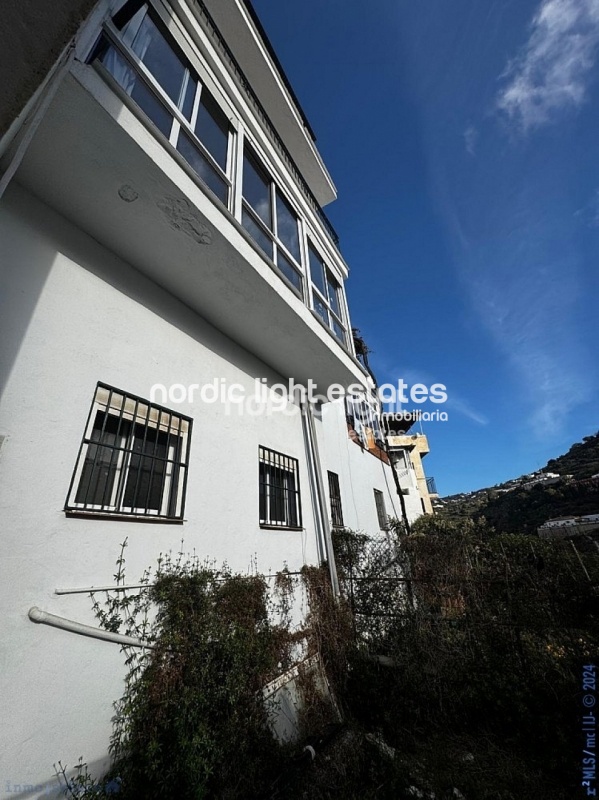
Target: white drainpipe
325	542
37	615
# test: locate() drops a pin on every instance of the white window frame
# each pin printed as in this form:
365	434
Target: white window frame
179	122
316	293
273	188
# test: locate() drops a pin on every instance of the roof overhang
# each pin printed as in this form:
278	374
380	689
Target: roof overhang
251	49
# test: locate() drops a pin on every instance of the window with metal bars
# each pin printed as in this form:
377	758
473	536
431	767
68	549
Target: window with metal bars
363	414
133	459
335	496
279	490
381	511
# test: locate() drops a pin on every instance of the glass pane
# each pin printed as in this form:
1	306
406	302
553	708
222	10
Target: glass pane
321	309
120	69
212	129
202	166
256	190
317	271
126	76
160	58
190	93
289	270
146	469
152	107
256	232
263	491
290	498
277	507
99	471
97	480
129	27
287	229
333	287
338	330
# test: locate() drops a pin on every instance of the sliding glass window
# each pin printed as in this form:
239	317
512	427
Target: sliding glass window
270	220
140	54
326	295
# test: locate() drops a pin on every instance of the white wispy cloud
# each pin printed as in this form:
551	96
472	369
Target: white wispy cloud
456	403
589	213
470	139
529	313
552	71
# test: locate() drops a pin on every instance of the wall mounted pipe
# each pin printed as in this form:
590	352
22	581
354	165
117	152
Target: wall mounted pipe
327	542
44	617
123	587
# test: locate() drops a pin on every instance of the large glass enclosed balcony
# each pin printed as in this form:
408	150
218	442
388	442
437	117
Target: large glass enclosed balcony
144	151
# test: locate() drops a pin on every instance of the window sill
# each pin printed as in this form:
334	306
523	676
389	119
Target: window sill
69	512
265	527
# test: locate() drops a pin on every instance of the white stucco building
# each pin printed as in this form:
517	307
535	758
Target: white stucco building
160	226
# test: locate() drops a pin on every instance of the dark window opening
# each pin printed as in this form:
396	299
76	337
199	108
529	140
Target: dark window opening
279	490
133	459
335	496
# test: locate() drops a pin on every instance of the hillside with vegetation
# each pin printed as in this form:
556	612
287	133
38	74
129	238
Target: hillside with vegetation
581	461
522	504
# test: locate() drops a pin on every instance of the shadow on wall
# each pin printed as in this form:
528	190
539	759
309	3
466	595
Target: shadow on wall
23	275
31	234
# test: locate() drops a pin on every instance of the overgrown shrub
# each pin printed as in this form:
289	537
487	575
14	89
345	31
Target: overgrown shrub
488	654
195	724
453	655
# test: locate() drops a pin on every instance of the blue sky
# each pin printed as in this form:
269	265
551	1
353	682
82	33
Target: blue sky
463	139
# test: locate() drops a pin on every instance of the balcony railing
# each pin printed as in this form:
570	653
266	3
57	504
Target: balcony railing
431	486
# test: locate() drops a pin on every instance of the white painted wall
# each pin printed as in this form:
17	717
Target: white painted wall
73	314
359	472
408	480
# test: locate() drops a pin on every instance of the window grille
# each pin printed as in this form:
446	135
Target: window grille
279	490
335	496
364	417
133	459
